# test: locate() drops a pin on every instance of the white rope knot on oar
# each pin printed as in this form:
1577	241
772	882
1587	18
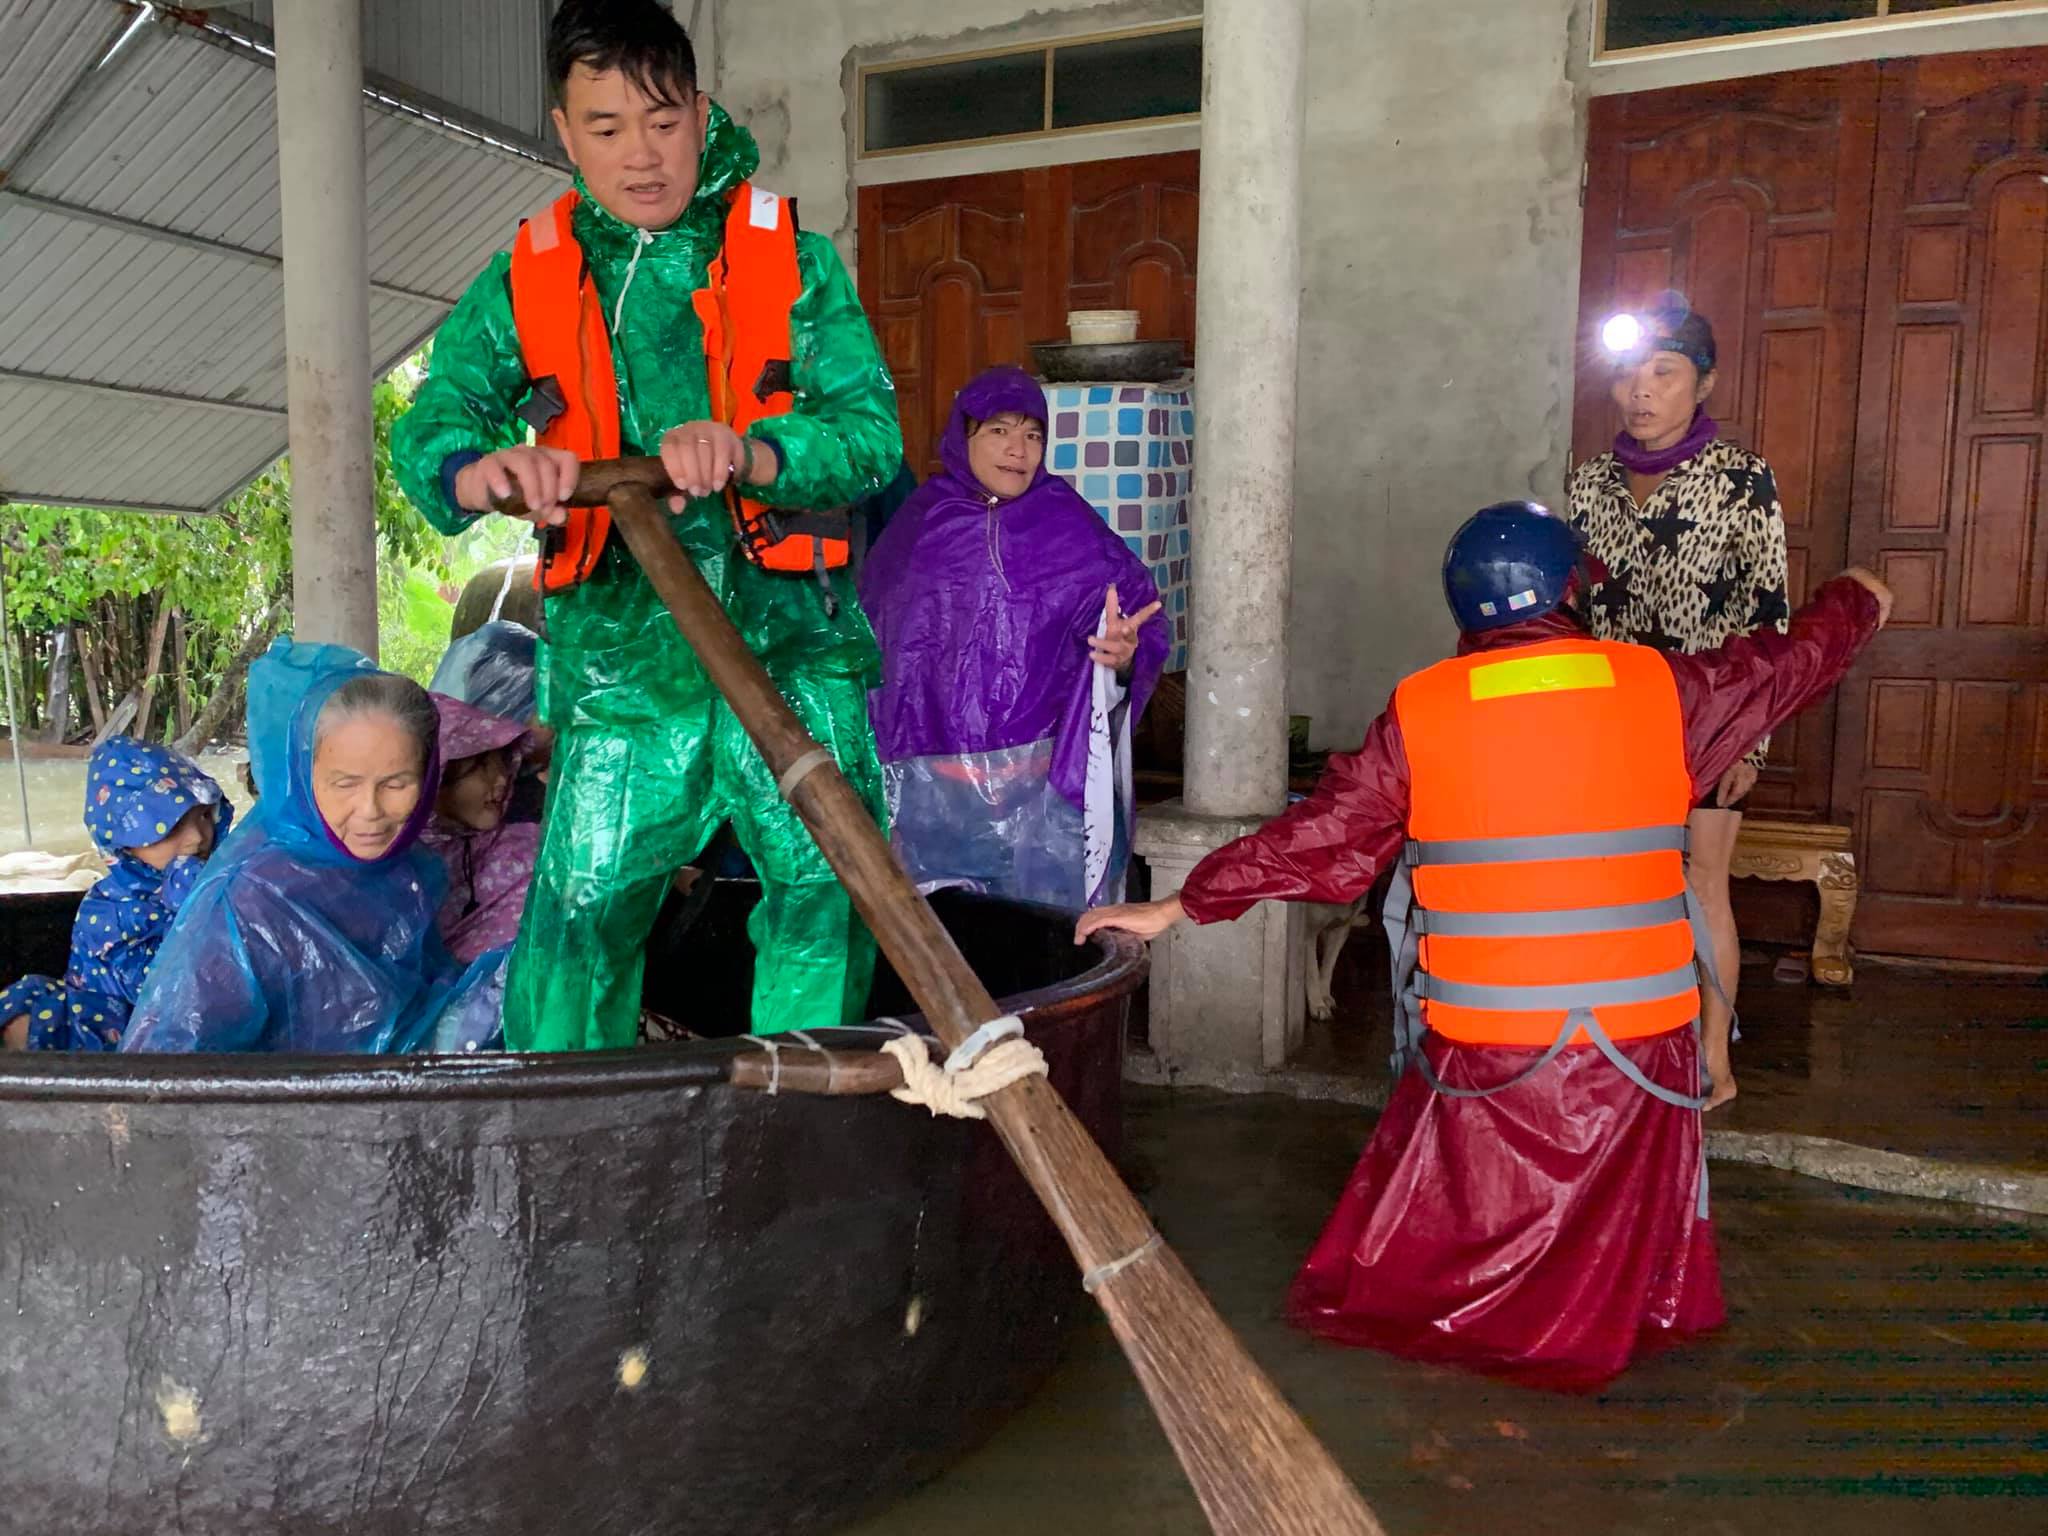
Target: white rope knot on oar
987	1061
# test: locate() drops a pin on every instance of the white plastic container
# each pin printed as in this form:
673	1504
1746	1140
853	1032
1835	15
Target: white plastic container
1094	327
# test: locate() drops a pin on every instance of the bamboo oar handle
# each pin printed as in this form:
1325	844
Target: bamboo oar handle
831	1074
1254	1465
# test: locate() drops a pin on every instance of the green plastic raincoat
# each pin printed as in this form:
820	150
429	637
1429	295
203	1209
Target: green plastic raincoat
649	760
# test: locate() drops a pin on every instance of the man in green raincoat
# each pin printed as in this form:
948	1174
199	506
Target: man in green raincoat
648	759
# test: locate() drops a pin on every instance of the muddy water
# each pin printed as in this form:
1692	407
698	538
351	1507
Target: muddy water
56	801
1884	1369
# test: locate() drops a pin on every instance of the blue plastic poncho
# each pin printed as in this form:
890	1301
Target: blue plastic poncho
135	794
291	943
492	669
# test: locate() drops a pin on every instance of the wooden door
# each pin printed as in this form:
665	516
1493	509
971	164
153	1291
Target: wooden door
960	274
1943	741
1751	197
1128	241
943	279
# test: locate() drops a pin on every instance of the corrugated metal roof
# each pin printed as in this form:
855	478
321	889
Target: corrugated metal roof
484	59
140	274
83	447
44	50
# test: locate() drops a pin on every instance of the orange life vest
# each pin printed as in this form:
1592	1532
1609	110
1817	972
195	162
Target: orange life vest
750	288
1547	846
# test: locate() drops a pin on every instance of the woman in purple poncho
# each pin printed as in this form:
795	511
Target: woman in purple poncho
1016	656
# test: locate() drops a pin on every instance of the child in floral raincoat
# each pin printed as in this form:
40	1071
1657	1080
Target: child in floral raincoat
156	816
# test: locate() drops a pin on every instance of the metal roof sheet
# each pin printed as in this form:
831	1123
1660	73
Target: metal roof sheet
44	50
485	59
140	270
76	446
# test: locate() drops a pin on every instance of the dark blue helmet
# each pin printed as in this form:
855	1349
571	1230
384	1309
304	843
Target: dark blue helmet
1511	561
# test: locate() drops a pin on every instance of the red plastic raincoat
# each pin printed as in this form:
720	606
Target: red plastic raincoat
1550	1232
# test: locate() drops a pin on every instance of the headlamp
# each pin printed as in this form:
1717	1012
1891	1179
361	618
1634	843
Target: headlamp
1622	334
1631	338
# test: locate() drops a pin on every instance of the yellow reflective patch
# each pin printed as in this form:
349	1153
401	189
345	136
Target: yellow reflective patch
1541	674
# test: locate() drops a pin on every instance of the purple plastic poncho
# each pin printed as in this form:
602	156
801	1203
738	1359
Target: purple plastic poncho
291	943
1005	747
488	871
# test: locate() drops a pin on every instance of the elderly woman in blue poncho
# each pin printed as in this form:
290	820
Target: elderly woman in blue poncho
156	815
313	928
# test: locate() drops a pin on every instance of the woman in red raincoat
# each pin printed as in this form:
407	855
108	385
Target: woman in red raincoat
1533	1201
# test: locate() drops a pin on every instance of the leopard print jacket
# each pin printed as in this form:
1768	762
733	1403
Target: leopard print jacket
1703	559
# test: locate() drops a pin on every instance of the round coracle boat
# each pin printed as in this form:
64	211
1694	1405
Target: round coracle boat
610	1293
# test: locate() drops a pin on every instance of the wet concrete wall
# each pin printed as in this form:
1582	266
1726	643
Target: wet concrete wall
1440	271
1440	276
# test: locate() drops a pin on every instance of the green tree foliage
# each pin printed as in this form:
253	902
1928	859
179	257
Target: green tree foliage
108	575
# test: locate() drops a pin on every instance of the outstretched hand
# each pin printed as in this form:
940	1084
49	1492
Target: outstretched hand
1146	919
1117	644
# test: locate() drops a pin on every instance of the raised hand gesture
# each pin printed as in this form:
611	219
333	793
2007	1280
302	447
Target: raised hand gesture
1118	643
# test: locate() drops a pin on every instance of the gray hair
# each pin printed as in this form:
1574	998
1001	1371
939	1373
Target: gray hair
399	699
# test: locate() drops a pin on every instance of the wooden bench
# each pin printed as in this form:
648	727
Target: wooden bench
1794	850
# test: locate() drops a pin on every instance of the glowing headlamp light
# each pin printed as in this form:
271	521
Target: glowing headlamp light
1630	338
1621	335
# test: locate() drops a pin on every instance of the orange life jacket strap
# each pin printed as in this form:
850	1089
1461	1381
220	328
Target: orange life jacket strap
744	307
1580	1020
567	349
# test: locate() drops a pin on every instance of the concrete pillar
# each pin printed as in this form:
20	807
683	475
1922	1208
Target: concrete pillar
700	20
1228	998
1247	340
327	320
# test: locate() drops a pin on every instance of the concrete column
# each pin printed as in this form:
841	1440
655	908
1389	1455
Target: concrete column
700	20
327	320
1228	999
1247	338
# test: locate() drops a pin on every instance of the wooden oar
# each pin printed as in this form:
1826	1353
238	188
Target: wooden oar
1254	1465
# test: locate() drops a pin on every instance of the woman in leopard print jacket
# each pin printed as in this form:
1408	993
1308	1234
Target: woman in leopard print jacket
1689	528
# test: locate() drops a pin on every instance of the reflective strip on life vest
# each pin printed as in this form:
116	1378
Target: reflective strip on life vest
1563	923
1542	850
1584	994
1556	672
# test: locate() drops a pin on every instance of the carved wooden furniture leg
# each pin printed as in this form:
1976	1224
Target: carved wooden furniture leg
1768	850
1831	964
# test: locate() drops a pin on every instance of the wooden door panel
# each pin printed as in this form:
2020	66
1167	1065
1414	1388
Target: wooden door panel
1131	240
942	277
961	274
1944	737
1751	197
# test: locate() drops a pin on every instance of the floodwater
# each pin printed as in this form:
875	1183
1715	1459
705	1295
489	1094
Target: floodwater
56	802
1884	1369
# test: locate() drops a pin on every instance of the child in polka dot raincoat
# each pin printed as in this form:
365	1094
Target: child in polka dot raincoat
156	816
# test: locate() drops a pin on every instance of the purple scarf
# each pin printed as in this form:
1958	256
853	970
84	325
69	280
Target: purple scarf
983	608
1639	460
